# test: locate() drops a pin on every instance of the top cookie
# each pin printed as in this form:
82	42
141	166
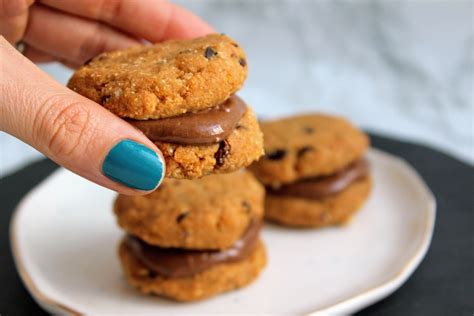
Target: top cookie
165	79
208	213
307	146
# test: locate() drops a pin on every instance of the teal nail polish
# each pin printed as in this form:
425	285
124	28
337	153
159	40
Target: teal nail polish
134	165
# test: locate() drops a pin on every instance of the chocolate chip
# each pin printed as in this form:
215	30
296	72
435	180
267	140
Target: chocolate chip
182	216
235	44
209	53
151	274
304	150
239	126
247	207
104	99
276	154
308	130
242	62
221	153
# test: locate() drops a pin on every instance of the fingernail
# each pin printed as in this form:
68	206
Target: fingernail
134	165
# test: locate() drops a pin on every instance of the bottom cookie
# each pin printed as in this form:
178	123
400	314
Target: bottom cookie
333	210
217	279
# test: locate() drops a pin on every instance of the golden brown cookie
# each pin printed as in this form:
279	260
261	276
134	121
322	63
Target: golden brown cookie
165	79
217	279
180	82
240	149
307	146
208	213
331	210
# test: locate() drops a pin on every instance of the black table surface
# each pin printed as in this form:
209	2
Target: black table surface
442	285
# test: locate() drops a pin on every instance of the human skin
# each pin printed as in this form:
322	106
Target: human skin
71	130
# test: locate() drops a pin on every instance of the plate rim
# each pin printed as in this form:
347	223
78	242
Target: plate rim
344	306
383	290
43	300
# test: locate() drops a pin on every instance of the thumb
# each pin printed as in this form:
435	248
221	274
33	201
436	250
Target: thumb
74	131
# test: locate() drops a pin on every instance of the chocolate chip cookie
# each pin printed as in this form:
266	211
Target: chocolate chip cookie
180	94
307	146
165	79
208	213
191	239
314	171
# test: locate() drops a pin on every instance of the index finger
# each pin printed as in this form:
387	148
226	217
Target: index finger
152	20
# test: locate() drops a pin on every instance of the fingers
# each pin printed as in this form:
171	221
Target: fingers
71	38
13	18
74	131
153	20
37	56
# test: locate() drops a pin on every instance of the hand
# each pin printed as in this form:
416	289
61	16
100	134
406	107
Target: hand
74	31
70	129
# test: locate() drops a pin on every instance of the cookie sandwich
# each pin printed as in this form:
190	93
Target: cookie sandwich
190	240
181	94
314	170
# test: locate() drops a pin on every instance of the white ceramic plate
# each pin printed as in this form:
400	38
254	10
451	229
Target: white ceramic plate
64	240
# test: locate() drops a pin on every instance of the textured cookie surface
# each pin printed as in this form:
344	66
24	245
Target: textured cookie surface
240	149
333	210
208	213
307	146
219	278
165	79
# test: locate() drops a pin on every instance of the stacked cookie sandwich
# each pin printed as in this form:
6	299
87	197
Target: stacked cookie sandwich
189	239
181	95
314	170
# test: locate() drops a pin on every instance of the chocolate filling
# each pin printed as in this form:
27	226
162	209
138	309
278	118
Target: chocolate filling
204	127
320	187
172	262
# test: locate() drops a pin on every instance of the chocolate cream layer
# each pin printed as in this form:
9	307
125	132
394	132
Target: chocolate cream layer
320	187
172	262
209	126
